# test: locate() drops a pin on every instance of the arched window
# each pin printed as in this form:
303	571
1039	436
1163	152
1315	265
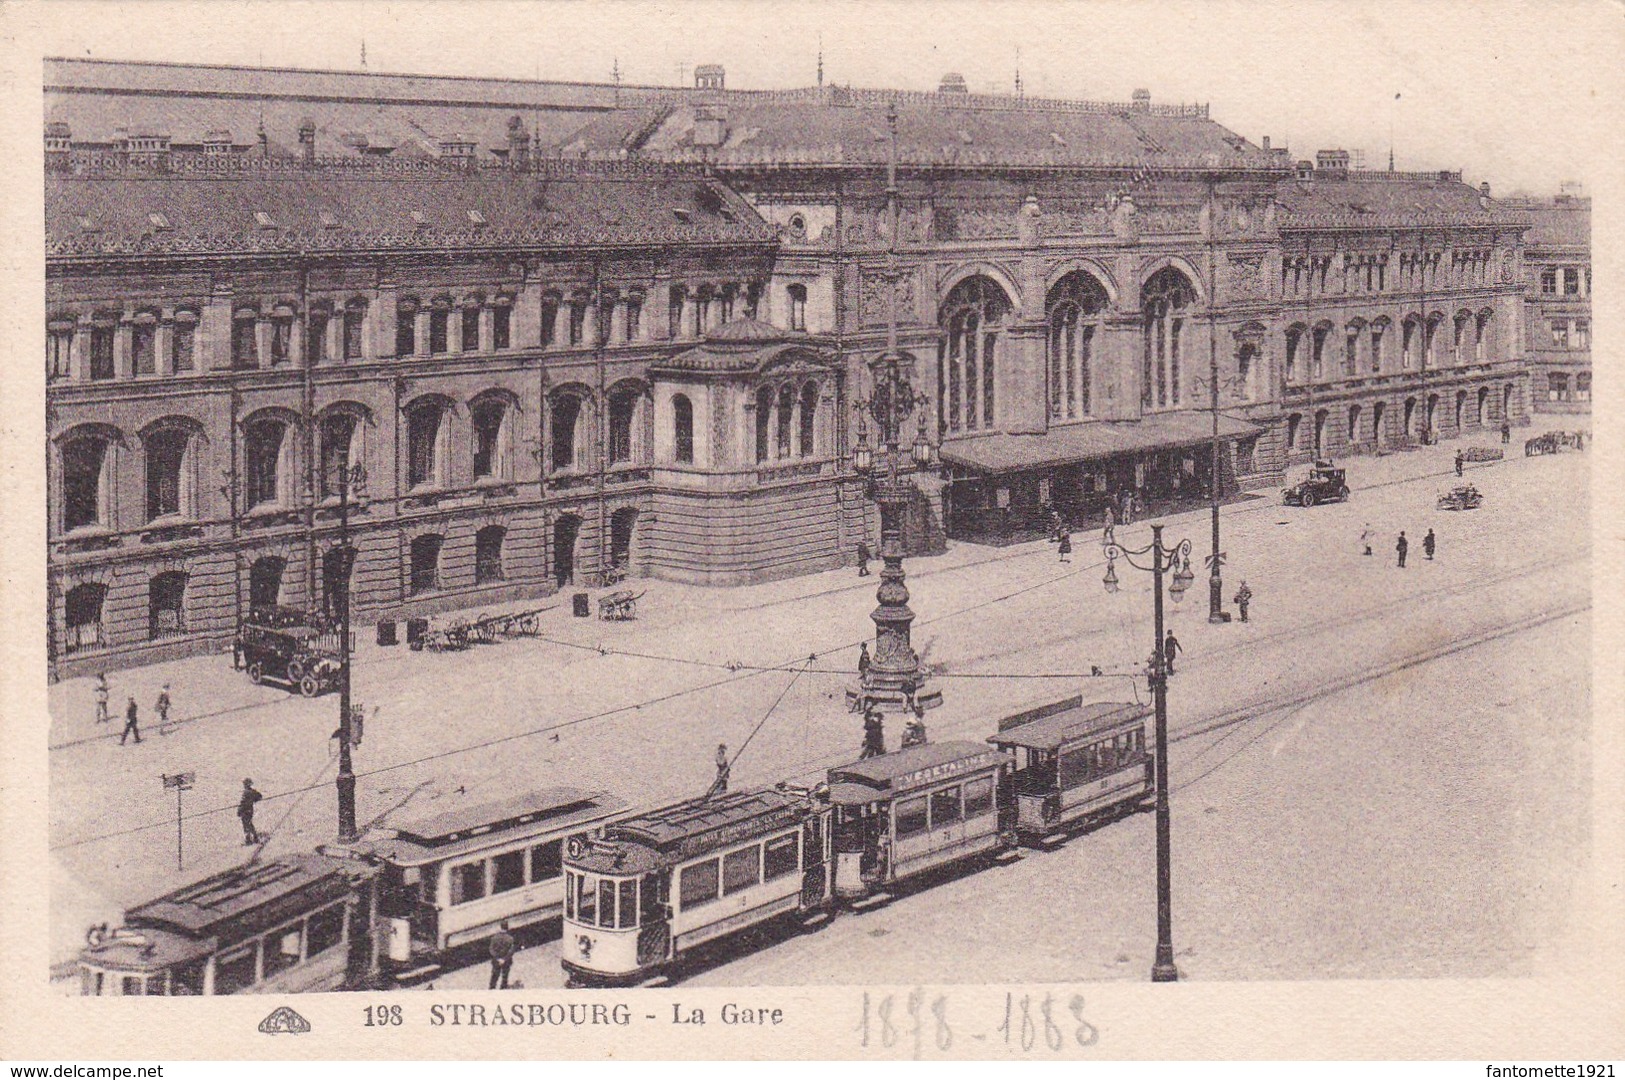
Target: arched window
87	481
59	349
1354	423
1458	339
971	318
488	554
83	623
550	320
565	419
1351	347
634	316
578	319
1317	350
1294	343
171	473
1481	324
502	322
1377	409
1429	338
798	307
426	563
266	449
340	450
682	419
1379	327
623	415
786	418
1165	300
490	421
1483	402
808	416
1245	359
166	604
281	334
426	443
406	327
674	311
1293	423
1076	305
764	422
265	582
705	309
144	343
1407	345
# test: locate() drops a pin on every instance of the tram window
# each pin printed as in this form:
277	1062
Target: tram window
911	819
945	809
606	904
283	949
130	986
91	980
741	869
235	971
697	884
324	930
468	882
508	871
1076	766
187	980
779	857
629	904
156	986
978	797
569	895
587	901
546	860
651	899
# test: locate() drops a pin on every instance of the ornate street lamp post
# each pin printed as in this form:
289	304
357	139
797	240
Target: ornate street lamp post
893	678
1177	558
349	475
1211	384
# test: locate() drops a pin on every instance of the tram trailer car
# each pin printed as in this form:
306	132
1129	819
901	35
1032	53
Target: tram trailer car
900	814
655	886
448	882
293	924
1075	764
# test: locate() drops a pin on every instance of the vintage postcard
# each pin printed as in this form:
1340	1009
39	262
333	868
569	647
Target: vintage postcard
1027	531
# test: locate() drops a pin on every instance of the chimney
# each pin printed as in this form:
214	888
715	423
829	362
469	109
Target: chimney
1484	194
307	139
1266	142
1306	170
518	142
264	143
1141	101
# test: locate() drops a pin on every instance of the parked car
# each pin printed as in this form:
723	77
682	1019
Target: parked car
282	646
1325	483
1465	497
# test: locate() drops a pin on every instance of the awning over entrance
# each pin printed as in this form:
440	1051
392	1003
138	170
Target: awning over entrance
1091	441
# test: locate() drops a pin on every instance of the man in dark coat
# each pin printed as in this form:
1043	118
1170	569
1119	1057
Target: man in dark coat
502	950
1066	546
1170	649
130	726
874	736
245	812
1244	596
863	659
1429	544
863	558
1506	432
1402	548
1460	462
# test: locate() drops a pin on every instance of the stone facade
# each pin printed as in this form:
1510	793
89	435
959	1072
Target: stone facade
1557	278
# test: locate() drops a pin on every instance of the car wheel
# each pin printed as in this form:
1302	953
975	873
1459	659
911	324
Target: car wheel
256	673
309	686
296	670
1308	498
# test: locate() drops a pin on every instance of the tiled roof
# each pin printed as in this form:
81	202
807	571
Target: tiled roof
429	206
1557	224
1378	201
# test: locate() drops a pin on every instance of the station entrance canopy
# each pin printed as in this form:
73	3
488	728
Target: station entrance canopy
1092	441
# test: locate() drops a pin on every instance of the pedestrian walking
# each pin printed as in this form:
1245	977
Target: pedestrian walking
1402	547
245	812
1128	508
502	949
1429	544
161	707
874	736
1111	520
1066	546
1461	462
1170	649
1365	538
102	692
131	727
1506	432
1244	596
863	659
863	558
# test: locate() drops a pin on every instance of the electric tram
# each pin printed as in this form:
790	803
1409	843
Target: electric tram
1075	763
291	924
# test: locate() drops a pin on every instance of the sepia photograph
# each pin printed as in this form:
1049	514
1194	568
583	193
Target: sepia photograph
569	512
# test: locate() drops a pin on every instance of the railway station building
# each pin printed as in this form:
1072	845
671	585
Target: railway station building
569	326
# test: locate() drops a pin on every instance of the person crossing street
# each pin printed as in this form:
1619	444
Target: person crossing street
1429	544
102	692
1460	462
131	727
1244	596
1401	548
245	812
1170	649
161	707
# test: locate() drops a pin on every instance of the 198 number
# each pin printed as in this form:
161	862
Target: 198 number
383	1016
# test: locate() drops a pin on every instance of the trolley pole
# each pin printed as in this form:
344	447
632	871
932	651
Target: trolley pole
1163	970
346	777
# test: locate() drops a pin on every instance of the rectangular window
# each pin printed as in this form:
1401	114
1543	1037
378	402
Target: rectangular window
324	930
101	352
354	320
945	808
406	333
235	971
627	905
587	900
439	332
606	903
1582	386
144	348
316	339
634	317
1548	280
245	347
578	322
1376	351
1571	281
798	307
471	329
546	861
1560	333
283	949
468	882
281	339
741	869
911	817
1582	333
780	856
507	871
979	797
58	354
501	326
697	884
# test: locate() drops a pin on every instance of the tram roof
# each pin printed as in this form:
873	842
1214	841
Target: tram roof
1068	722
246	898
454	832
899	768
689	827
145	950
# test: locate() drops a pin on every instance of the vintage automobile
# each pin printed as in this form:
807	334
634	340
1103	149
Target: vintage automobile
282	645
1465	497
1325	483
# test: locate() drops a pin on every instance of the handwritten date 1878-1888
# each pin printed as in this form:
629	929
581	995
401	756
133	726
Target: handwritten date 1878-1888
1027	1023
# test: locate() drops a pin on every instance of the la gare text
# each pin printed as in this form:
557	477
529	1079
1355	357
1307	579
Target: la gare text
538	1014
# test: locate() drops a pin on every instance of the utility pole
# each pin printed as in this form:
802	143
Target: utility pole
346	778
180	782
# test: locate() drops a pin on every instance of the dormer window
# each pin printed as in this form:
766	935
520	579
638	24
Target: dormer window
1056	139
86	224
964	137
476	217
264	219
418	219
682	213
159	221
329	219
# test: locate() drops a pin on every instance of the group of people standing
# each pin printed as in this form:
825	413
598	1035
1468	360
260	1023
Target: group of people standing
1402	546
132	712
